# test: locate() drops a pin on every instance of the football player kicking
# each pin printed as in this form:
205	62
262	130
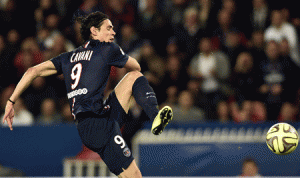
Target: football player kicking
86	72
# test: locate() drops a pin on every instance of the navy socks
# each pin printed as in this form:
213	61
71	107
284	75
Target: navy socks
145	96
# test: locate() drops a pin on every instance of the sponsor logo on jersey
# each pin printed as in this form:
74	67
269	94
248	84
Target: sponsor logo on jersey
81	91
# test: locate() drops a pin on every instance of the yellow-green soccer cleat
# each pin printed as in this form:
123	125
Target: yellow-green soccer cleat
164	116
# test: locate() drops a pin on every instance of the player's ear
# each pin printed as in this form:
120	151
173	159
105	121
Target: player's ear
94	31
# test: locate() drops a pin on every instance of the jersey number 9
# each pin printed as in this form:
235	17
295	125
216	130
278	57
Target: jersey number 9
76	74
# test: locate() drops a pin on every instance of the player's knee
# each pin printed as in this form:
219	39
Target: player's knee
133	75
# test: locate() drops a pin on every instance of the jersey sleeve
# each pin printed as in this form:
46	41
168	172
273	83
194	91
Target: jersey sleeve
57	61
117	56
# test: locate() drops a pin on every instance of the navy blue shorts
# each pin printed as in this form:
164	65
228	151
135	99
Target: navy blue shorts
101	133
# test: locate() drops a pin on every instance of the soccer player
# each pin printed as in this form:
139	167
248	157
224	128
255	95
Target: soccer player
86	72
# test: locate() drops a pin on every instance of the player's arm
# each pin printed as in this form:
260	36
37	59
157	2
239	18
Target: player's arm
132	65
41	70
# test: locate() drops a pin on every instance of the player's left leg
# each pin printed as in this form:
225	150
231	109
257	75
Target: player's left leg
123	89
135	84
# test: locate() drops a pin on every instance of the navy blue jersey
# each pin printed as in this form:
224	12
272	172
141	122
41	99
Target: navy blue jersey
86	72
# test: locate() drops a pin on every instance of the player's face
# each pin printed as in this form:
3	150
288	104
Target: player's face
106	32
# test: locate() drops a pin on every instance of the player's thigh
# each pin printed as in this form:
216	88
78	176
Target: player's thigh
116	153
124	88
131	171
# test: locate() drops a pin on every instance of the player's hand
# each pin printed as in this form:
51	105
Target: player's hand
9	114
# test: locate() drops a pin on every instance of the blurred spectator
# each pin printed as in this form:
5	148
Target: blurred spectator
185	112
289	110
250	168
49	114
285	14
14	39
280	29
277	84
230	6
88	6
64	7
29	55
284	49
224	25
120	12
22	116
296	22
41	36
172	96
9	16
207	12
45	8
145	54
233	45
60	45
260	15
256	46
52	22
151	24
223	112
36	93
212	69
174	10
193	85
23	61
175	74
129	39
188	33
240	12
172	48
13	42
245	84
75	34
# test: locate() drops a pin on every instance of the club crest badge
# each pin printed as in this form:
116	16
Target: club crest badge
126	152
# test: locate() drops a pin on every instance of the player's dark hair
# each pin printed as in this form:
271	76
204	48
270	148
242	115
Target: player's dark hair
93	19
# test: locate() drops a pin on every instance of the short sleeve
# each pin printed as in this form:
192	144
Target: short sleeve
117	56
57	61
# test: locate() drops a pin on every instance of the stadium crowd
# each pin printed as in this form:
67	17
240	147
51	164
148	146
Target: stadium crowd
211	60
